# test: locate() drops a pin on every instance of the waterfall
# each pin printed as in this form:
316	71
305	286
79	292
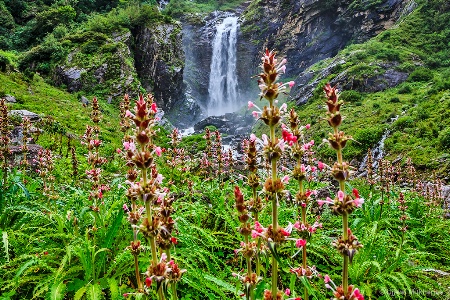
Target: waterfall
223	81
377	151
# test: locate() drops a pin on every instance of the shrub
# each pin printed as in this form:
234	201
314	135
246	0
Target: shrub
421	74
351	96
368	137
405	89
444	138
394	100
404	122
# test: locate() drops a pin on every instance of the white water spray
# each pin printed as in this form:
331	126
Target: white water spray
223	78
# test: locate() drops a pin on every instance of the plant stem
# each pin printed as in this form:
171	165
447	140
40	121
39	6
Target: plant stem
249	269
345	267
174	291
136	271
274	215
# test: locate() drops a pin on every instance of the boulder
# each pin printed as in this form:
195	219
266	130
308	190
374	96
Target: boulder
10	99
25	113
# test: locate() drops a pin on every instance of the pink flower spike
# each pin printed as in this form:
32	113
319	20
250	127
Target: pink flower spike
283	107
148	281
287	292
285	179
341	196
250	104
355	193
327	279
255	114
320	165
284	232
265	139
252	137
118	151
300	243
291	84
153	107
307	126
159	178
128	114
358	202
158	151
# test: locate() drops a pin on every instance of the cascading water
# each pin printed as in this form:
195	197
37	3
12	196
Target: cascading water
223	79
377	152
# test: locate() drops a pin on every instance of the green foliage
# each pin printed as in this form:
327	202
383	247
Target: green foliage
178	8
421	74
351	96
444	138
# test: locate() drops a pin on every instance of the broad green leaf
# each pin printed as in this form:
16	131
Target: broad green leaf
57	291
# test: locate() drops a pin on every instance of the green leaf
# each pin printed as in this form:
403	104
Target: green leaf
80	293
273	249
228	287
23	268
57	291
113	288
94	292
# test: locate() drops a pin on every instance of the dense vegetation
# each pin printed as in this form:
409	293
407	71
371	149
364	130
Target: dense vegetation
56	246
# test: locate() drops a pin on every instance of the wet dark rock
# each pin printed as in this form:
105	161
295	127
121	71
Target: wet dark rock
159	62
69	76
231	123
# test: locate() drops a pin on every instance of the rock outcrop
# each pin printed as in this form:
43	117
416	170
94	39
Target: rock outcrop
312	30
159	62
108	66
148	57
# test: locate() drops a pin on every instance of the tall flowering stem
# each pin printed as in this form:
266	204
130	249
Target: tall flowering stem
157	224
26	127
273	187
4	140
294	138
95	160
253	180
343	204
248	248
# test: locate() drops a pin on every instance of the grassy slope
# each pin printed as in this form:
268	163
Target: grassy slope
41	98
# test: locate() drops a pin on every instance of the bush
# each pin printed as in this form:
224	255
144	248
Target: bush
351	96
420	74
405	89
367	137
394	100
404	122
444	138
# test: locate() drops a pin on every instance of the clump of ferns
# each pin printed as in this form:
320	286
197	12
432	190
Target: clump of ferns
153	220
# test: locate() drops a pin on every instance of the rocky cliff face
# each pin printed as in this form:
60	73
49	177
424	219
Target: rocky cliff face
159	62
311	30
